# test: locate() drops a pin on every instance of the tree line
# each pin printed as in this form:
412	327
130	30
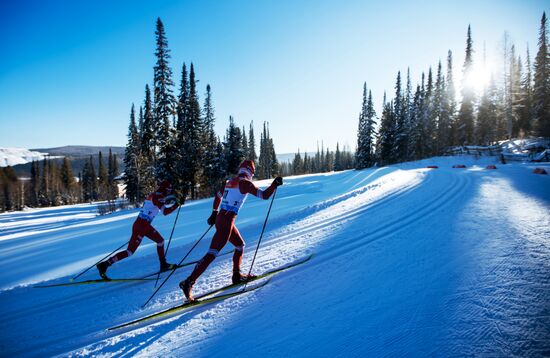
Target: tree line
173	137
52	182
428	120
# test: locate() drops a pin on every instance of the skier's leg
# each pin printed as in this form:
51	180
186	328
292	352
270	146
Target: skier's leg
237	240
223	232
133	244
156	237
135	240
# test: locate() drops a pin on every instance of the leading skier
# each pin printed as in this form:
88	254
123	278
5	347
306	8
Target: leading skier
160	200
231	197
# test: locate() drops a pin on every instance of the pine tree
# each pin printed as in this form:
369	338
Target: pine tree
298	164
35	183
386	136
541	95
233	150
450	99
245	143
164	108
487	115
407	113
525	109
365	133
515	94
145	151
252	144
191	148
429	118
401	139
415	138
68	182
214	170
103	179
268	165
44	191
466	114
89	180
113	173
441	107
133	163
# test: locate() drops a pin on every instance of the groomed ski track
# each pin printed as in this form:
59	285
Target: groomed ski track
408	261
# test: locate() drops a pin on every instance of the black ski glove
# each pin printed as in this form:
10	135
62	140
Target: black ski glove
278	181
212	219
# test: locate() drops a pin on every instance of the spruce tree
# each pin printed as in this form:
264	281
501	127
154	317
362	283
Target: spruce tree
164	102
487	115
245	143
252	143
68	182
515	94
145	149
443	118
387	135
233	150
192	148
34	184
525	111
466	114
297	164
132	163
89	181
450	100
401	139
365	133
541	95
103	179
113	173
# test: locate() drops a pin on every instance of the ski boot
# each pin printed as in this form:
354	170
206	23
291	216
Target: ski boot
102	268
187	287
165	266
238	277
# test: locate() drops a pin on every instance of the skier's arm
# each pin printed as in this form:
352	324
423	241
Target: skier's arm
160	204
217	200
246	186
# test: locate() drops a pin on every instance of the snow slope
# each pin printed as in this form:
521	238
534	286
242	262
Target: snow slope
408	261
14	156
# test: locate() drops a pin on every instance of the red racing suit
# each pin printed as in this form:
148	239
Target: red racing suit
153	205
229	199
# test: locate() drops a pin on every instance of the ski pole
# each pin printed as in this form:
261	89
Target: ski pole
169	240
174	270
260	240
115	250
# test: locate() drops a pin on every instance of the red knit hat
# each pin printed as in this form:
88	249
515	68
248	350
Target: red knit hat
247	167
164	186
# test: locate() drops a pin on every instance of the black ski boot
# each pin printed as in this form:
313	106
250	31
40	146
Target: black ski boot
238	277
165	266
102	268
187	287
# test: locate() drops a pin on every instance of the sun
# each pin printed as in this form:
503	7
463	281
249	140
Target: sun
478	78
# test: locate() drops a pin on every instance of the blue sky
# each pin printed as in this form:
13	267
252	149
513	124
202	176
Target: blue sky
70	70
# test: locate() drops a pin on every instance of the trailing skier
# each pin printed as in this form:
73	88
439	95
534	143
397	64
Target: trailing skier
229	200
161	200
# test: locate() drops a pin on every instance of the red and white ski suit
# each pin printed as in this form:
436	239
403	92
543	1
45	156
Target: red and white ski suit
229	200
153	205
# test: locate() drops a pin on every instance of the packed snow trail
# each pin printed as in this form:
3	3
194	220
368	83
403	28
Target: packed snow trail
408	261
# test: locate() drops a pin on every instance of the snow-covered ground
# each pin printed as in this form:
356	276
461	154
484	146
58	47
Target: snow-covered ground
408	261
14	156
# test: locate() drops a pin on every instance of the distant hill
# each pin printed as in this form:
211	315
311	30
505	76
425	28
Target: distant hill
80	150
77	154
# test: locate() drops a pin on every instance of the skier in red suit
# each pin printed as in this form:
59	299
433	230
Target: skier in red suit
159	201
231	197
